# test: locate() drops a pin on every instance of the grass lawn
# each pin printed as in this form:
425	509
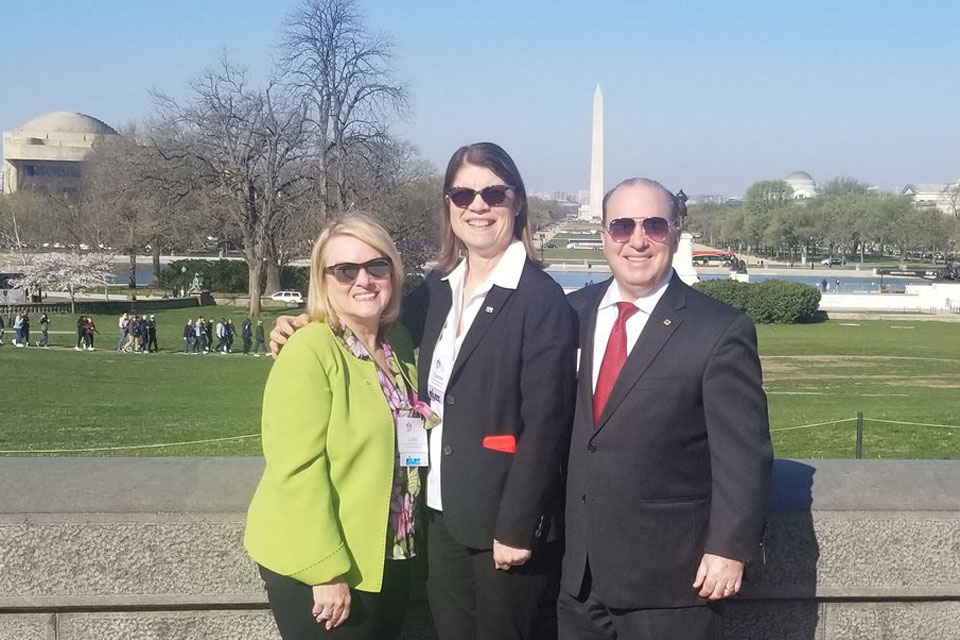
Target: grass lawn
59	398
900	371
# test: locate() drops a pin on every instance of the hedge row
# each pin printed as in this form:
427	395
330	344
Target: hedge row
767	301
227	276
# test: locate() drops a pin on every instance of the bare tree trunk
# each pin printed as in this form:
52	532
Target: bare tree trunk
273	266
132	274
253	271
273	277
155	245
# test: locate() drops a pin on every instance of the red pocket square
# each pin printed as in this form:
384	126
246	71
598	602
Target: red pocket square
506	444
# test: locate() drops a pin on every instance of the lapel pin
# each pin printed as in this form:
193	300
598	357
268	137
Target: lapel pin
666	322
489	309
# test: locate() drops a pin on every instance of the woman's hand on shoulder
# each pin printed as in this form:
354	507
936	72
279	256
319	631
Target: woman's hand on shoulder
283	328
331	602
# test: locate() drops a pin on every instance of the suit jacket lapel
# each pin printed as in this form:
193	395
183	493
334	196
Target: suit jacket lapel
661	325
437	311
489	310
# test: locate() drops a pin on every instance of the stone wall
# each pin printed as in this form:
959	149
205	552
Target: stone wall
150	548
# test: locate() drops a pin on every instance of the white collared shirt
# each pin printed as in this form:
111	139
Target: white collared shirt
607	317
506	275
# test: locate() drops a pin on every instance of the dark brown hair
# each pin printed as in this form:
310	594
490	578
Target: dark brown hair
494	158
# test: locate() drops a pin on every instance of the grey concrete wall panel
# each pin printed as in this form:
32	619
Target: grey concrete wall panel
151	548
169	625
892	620
122	563
777	620
27	626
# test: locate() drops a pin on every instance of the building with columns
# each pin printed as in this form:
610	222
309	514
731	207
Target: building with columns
46	154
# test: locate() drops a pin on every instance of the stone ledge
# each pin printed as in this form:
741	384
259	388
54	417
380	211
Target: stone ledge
28	626
115	534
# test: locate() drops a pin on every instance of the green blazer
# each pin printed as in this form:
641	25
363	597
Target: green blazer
322	505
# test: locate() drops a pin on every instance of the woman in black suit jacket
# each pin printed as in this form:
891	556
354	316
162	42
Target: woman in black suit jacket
498	364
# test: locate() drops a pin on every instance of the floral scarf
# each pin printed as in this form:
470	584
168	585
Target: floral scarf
405	496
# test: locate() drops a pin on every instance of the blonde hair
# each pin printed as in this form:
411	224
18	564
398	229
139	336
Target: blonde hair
368	231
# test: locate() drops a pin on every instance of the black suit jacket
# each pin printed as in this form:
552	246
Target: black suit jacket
679	463
515	375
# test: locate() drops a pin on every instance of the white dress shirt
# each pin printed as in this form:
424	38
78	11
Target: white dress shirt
607	316
506	274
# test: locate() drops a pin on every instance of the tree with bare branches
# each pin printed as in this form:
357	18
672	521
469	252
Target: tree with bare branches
343	75
245	147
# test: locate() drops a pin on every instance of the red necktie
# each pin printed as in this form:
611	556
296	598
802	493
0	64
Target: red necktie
613	358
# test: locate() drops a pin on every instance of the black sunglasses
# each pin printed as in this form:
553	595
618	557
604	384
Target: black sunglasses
493	195
347	272
654	228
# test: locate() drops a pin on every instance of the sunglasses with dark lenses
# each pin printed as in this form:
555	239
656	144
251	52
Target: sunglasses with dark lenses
493	195
655	228
347	272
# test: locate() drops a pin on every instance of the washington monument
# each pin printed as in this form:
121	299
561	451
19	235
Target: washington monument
596	158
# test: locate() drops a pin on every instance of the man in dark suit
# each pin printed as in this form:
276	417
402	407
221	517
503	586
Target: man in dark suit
670	454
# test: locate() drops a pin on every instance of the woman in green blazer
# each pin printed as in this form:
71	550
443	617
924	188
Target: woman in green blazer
334	520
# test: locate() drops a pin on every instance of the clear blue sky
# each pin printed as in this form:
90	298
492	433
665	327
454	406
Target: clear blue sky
705	96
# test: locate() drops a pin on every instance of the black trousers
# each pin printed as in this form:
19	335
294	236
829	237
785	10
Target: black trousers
373	616
585	617
471	600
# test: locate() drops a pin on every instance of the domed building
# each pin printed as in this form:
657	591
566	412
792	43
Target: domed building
46	153
802	184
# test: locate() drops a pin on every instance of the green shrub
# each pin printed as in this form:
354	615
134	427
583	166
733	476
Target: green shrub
781	302
732	292
768	301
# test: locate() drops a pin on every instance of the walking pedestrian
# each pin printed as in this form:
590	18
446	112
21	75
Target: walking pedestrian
143	333
18	330
90	329
3	328
188	336
208	332
25	330
200	336
260	342
245	335
81	332
231	331
122	330
152	345
44	331
221	335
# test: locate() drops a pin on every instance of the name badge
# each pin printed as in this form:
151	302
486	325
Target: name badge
412	443
437	385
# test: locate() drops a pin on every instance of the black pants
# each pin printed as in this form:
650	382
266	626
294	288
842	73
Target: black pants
585	617
471	600
373	616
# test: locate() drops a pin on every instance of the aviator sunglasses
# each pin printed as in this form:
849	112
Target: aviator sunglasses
656	228
347	272
493	195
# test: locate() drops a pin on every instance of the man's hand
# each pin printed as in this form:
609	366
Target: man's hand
331	602
718	577
283	328
505	556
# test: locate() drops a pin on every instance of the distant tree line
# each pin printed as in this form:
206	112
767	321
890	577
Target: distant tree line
846	217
